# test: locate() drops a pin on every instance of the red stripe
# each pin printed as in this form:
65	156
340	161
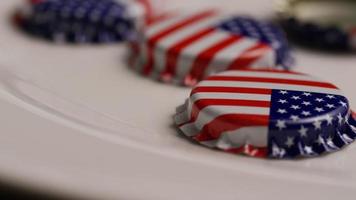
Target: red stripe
148	8
206	56
35	1
159	18
135	52
231	90
174	52
353	31
203	103
154	39
230	122
17	18
131	60
135	47
260	152
272	80
249	56
180	25
269	70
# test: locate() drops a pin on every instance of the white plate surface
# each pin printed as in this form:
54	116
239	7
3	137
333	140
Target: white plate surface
77	121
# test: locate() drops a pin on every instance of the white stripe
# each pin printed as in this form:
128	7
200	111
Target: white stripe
188	55
258	74
136	63
230	96
134	57
211	112
267	59
255	136
158	27
236	96
184	117
183	107
166	43
137	58
188	31
159	59
142	57
277	86
223	59
170	22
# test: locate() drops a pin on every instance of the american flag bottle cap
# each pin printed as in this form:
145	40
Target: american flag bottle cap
186	47
267	113
83	21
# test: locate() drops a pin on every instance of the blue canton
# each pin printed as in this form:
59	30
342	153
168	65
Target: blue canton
80	20
263	32
308	124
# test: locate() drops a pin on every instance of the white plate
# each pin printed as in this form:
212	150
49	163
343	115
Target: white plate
77	121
